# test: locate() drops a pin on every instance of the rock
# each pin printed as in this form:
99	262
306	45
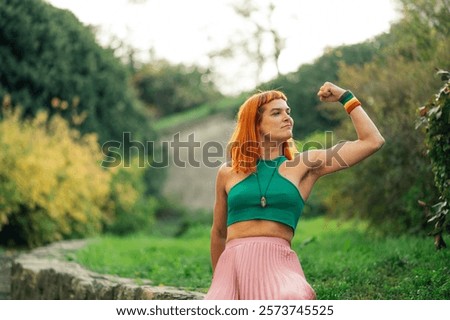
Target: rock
5	276
45	274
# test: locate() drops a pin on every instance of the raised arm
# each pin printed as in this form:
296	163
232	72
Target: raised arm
219	226
346	154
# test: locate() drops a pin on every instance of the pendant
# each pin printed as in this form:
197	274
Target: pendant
263	202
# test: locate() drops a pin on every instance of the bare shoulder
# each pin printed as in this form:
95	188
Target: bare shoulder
225	169
224	173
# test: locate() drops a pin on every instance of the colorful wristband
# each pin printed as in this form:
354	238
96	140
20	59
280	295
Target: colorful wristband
349	101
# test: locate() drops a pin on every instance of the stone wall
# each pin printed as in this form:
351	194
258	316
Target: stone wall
45	273
5	275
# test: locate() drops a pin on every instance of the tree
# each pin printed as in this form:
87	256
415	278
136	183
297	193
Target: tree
385	188
166	88
301	86
390	75
260	35
49	60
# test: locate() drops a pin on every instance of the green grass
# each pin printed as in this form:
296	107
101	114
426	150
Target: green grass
340	260
166	261
345	262
173	122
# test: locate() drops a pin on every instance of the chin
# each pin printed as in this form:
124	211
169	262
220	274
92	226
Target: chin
284	138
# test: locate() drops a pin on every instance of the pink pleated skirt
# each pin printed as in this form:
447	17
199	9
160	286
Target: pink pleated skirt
259	268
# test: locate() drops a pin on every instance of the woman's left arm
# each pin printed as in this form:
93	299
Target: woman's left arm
346	154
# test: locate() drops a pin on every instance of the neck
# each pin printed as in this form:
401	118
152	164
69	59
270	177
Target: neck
271	152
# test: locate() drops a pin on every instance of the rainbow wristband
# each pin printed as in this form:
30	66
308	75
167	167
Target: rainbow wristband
349	101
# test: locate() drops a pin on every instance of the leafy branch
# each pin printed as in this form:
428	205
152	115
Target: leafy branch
435	119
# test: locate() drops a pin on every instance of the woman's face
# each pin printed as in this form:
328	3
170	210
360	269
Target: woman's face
276	123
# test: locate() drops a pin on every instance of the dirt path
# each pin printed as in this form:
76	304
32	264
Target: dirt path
192	183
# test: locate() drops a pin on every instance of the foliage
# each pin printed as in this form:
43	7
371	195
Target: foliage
435	118
167	89
340	260
49	60
301	86
134	211
260	34
175	220
392	180
386	187
51	185
424	29
55	71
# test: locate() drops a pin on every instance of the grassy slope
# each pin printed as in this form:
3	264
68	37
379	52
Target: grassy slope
340	260
173	122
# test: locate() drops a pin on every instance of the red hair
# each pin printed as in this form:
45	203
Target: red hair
243	147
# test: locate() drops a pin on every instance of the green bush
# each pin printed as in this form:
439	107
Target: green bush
133	210
385	188
435	117
49	60
167	89
51	184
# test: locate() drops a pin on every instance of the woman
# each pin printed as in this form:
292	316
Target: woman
260	196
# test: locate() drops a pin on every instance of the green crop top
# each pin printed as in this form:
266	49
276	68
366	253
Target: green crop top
284	201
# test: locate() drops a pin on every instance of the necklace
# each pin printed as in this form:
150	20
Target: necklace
263	199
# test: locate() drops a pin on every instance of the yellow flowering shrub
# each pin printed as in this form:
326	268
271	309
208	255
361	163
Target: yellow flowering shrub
51	184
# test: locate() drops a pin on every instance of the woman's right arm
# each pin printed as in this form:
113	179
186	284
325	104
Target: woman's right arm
219	226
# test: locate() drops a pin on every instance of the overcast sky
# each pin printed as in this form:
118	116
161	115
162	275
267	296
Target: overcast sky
185	31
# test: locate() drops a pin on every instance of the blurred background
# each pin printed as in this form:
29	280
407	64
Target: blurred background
241	43
93	92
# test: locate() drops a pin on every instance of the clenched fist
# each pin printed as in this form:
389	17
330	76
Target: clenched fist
330	92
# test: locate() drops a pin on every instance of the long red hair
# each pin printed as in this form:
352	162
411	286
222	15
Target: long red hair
243	147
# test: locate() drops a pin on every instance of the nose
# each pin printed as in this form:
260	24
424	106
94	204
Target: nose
287	117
